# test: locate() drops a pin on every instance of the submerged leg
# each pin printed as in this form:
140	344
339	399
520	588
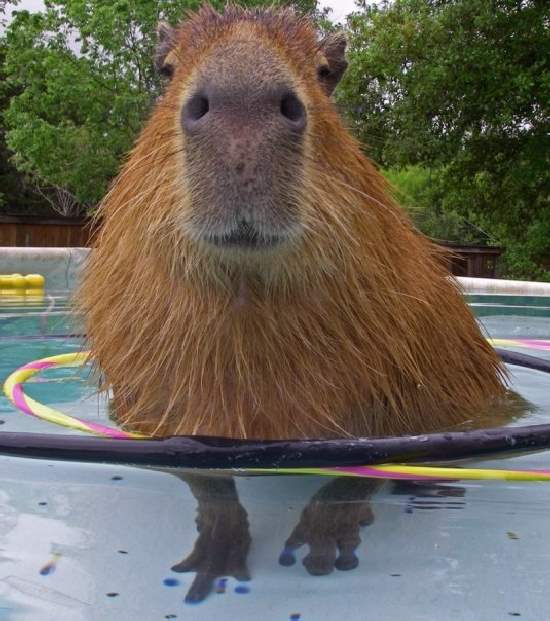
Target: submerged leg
222	546
330	525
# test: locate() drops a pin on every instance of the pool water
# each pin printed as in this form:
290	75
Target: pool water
96	542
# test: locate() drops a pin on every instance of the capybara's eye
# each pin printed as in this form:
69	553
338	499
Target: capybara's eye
323	72
292	108
167	71
193	111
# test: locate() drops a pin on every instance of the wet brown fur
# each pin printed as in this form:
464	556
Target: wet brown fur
354	328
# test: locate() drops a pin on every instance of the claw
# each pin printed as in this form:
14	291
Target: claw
318	566
330	525
182	567
346	563
242	575
287	558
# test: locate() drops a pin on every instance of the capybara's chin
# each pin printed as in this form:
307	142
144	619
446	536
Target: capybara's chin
251	235
249	243
253	276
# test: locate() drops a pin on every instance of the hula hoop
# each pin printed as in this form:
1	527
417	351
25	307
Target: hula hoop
314	457
14	391
540	344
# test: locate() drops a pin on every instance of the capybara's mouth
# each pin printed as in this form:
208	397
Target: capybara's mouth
247	237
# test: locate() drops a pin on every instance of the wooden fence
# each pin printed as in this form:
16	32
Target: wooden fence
36	232
478	261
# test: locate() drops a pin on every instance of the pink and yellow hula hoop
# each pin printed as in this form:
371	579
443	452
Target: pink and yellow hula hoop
14	391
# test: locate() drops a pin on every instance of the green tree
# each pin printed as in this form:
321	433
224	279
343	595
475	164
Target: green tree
17	195
84	74
462	87
421	193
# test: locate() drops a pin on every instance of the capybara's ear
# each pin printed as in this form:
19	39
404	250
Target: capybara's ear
333	62
166	36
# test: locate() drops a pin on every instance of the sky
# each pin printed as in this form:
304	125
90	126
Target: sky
340	8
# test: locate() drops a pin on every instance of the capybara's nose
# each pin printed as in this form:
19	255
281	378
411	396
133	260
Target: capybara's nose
274	107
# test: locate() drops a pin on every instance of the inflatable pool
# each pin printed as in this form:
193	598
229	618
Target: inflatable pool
96	538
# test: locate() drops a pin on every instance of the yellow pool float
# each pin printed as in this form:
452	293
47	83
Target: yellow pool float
31	285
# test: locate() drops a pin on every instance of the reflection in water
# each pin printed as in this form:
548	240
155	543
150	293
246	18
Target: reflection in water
139	522
40	593
329	525
223	541
51	565
426	495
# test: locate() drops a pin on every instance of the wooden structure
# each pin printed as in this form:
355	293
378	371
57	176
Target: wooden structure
476	261
29	231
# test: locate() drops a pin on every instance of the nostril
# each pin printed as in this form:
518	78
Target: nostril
293	109
195	109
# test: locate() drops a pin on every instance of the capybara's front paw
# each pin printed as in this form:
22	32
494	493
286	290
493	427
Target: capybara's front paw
221	548
330	525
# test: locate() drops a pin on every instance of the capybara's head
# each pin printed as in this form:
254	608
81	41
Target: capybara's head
232	170
244	96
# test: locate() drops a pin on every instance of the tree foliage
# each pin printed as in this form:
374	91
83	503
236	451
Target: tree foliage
84	74
421	193
462	88
17	193
451	97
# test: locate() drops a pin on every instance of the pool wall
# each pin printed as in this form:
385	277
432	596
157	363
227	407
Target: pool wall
495	286
62	267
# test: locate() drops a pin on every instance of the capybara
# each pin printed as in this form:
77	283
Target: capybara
254	278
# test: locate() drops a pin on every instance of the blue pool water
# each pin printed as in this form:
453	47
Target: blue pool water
96	542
